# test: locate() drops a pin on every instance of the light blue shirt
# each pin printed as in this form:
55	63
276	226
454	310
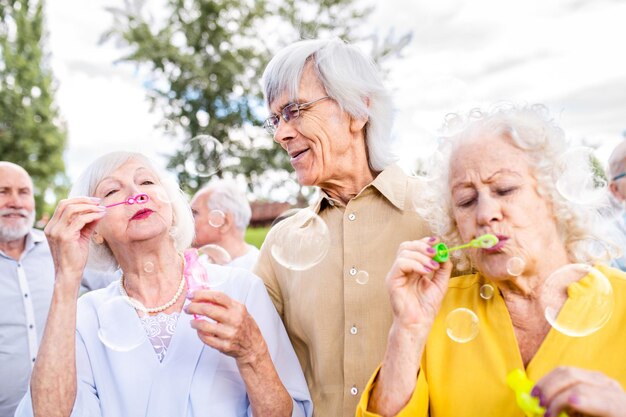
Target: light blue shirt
25	294
193	379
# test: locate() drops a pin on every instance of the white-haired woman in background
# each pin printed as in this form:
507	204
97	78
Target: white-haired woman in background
499	178
223	197
239	363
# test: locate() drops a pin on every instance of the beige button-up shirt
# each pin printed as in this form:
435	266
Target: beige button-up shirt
337	312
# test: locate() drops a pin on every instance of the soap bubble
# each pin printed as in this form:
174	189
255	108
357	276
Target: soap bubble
578	180
206	157
162	196
215	254
581	300
462	325
362	277
515	266
595	250
148	267
119	325
217	218
486	291
301	242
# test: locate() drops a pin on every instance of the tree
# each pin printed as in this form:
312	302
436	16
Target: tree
31	132
207	57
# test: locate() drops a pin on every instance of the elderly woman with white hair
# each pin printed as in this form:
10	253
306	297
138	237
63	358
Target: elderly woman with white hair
540	318
235	359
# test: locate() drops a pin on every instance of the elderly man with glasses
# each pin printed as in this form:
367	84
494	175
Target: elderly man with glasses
331	113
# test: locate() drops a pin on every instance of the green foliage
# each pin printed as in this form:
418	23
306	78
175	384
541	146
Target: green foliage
256	235
31	134
322	18
206	58
599	175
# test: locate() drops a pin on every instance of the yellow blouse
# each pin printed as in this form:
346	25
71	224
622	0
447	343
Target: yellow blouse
469	379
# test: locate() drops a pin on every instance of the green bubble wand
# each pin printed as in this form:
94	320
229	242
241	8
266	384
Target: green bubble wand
484	242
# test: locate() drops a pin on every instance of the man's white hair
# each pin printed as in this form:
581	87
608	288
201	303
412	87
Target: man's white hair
349	77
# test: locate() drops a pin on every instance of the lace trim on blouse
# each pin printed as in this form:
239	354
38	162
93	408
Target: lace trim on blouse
160	329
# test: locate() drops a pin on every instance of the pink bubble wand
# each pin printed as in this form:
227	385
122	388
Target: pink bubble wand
139	199
194	273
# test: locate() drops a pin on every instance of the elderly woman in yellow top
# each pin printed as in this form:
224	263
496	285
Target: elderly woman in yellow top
238	362
499	179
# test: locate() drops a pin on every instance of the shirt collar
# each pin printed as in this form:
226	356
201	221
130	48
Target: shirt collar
323	201
391	183
33	238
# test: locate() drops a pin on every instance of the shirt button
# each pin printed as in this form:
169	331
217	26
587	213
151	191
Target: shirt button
25	295
30	326
33	359
353	330
354	390
351	216
353	271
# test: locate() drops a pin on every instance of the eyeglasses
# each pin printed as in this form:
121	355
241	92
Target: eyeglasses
289	112
618	176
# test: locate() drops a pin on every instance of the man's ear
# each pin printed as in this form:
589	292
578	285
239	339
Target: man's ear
356	125
228	224
615	191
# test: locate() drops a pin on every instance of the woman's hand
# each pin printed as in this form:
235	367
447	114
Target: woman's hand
580	392
54	381
68	233
234	332
416	283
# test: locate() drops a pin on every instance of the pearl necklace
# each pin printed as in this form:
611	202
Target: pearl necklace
164	306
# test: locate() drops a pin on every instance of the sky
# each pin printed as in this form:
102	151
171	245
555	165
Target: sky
566	54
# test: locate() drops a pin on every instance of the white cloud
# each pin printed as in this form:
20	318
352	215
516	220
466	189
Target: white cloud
566	54
103	103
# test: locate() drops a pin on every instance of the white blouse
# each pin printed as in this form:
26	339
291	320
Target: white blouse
193	379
